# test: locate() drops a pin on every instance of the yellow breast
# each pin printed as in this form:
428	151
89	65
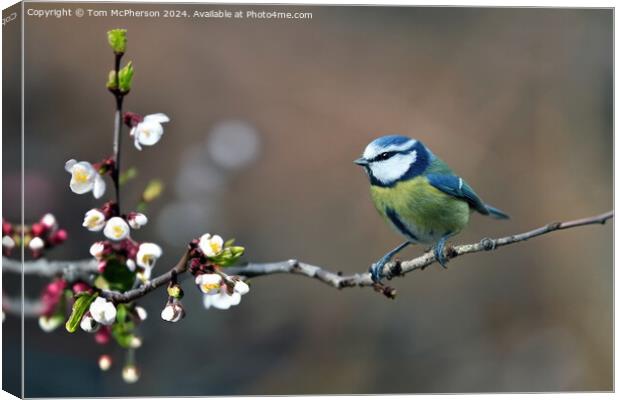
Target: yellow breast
424	210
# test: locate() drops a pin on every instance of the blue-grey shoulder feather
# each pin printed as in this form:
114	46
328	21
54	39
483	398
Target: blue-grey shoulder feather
457	187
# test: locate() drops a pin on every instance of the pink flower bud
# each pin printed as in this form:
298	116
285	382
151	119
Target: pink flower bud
7	228
101	266
79	287
38	229
105	362
132	119
131	249
59	236
102	336
109	209
51	295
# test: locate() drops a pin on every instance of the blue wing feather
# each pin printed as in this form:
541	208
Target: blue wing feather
457	187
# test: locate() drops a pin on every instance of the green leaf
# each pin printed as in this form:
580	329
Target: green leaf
121	313
101	283
142	207
118	276
125	76
80	306
123	333
111	84
229	242
153	190
127	175
228	256
117	39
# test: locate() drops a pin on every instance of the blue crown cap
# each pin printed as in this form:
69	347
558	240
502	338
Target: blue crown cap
389	140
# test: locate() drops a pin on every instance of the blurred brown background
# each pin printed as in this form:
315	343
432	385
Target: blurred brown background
267	116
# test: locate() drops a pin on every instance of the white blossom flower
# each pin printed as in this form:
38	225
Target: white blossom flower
131	374
148	253
85	178
209	283
48	220
144	274
8	242
173	312
222	299
131	265
103	311
96	250
116	229
241	287
105	362
36	243
88	324
137	220
211	245
142	314
48	324
149	131
94	220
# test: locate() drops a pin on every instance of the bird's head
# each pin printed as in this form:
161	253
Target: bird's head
393	158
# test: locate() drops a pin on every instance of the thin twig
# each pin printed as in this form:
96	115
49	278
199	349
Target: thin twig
118	124
334	279
131	295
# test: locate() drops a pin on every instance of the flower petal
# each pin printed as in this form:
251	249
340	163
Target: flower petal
158	117
148	133
80	187
69	164
99	187
136	142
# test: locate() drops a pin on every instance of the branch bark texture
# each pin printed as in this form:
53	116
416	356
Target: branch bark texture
331	278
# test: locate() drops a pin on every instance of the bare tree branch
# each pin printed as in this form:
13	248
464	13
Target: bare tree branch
71	270
13	306
334	279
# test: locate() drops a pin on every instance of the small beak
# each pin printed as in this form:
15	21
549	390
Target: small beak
361	161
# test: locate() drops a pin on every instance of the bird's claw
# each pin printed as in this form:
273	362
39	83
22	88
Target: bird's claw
376	270
439	252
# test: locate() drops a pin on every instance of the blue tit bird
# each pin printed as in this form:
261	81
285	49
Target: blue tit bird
418	195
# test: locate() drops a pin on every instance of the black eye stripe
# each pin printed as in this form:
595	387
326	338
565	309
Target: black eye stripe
386	155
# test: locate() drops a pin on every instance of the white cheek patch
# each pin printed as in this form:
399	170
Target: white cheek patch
372	150
392	169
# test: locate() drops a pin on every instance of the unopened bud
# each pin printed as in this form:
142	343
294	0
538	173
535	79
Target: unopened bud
48	220
38	229
173	312
8	242
48	324
36	244
135	342
175	291
88	323
141	312
117	39
105	362
131	374
125	77
137	220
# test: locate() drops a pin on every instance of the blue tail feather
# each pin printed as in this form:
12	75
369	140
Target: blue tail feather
496	213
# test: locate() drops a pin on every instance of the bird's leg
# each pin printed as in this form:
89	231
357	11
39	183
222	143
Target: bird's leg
439	250
376	270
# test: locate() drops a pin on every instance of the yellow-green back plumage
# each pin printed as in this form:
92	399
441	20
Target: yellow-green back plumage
420	211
